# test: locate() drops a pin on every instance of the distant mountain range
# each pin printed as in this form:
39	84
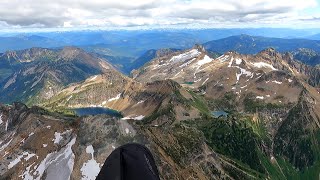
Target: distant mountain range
314	37
253	44
135	43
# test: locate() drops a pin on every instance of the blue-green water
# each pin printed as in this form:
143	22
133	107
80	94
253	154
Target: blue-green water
217	114
96	111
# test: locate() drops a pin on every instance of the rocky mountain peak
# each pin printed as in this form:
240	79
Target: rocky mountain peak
199	47
70	52
10	55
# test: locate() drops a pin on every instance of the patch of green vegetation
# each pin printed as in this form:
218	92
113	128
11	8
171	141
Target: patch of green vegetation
167	111
259	129
311	172
261	89
226	103
273	170
234	139
294	139
199	103
253	105
188	143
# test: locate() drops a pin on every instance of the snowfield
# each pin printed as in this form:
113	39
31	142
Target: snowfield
91	168
206	59
185	56
58	165
264	65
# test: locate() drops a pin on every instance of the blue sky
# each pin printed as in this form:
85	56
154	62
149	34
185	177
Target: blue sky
93	14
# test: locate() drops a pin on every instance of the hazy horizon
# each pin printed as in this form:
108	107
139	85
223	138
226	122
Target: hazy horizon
71	15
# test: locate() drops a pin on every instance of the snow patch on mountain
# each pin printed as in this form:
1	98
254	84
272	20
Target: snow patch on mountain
93	78
223	58
69	98
1	121
7	124
140	117
19	158
206	59
142	101
57	165
259	97
115	98
5	145
32	133
263	65
238	61
91	168
185	56
242	72
230	62
187	63
205	81
57	138
277	82
26	175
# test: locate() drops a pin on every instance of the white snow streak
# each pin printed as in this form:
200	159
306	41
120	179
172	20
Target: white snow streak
5	145
134	117
205	81
93	78
277	82
115	98
18	159
142	101
260	97
230	63
1	119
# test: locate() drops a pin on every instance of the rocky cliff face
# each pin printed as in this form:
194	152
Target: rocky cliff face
307	56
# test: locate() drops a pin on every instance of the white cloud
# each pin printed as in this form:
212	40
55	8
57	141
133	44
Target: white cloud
102	13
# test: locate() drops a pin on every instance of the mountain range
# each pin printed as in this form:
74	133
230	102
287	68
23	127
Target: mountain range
246	44
38	73
203	114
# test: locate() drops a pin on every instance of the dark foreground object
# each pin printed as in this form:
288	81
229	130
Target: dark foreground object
129	162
